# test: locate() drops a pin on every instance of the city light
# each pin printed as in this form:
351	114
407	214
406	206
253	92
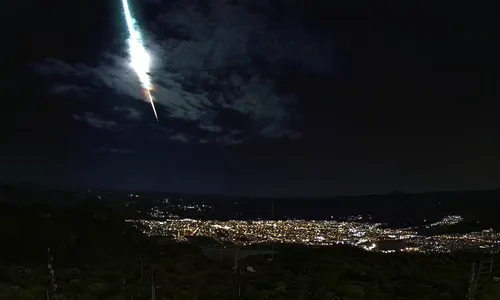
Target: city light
329	232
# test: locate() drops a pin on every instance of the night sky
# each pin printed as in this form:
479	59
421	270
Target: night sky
255	97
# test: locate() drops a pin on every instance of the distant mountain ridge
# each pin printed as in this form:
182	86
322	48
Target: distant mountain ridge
399	208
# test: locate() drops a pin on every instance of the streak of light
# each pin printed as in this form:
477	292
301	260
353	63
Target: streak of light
148	92
140	60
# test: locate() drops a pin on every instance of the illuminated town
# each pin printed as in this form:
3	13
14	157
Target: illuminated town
447	221
373	237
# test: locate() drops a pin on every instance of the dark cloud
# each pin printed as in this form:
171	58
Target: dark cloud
73	89
211	79
130	113
96	122
116	150
179	137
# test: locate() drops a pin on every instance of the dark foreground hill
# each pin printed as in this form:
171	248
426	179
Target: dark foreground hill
97	256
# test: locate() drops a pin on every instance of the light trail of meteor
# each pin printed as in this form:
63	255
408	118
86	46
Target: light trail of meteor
139	58
152	103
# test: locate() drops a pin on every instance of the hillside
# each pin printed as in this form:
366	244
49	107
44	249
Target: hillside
96	256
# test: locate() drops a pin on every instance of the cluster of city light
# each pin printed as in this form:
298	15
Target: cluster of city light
447	221
363	235
158	213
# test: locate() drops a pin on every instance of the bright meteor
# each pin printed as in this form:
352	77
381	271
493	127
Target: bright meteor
139	58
